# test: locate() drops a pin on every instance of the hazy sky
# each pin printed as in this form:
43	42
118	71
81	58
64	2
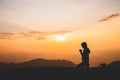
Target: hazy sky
52	15
28	29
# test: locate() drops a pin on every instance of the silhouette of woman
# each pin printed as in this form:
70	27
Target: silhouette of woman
85	55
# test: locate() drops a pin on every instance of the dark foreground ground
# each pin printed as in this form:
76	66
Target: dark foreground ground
59	73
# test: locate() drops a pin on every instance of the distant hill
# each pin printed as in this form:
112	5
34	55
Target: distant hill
115	64
40	63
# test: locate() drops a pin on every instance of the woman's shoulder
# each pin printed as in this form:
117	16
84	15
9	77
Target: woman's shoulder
88	50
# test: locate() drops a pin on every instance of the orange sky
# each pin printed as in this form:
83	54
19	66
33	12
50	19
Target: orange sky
102	38
24	36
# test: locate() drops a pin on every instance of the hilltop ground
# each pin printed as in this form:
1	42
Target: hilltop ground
59	73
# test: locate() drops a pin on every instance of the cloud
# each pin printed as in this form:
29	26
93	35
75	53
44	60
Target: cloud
30	35
109	17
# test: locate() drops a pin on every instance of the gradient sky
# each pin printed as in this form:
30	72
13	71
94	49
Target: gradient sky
28	29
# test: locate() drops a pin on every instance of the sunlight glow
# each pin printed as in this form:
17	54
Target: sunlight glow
60	37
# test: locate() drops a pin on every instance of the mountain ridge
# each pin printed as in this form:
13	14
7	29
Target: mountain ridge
40	62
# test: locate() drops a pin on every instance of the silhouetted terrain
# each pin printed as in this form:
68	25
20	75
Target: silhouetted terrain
102	72
115	64
40	63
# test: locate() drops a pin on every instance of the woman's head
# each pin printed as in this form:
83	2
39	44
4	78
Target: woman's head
84	44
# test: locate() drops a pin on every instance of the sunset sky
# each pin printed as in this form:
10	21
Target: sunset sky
54	29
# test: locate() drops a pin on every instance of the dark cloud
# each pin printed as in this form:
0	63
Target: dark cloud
6	35
109	17
30	35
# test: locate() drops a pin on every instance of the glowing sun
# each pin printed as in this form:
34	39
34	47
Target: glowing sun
60	37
